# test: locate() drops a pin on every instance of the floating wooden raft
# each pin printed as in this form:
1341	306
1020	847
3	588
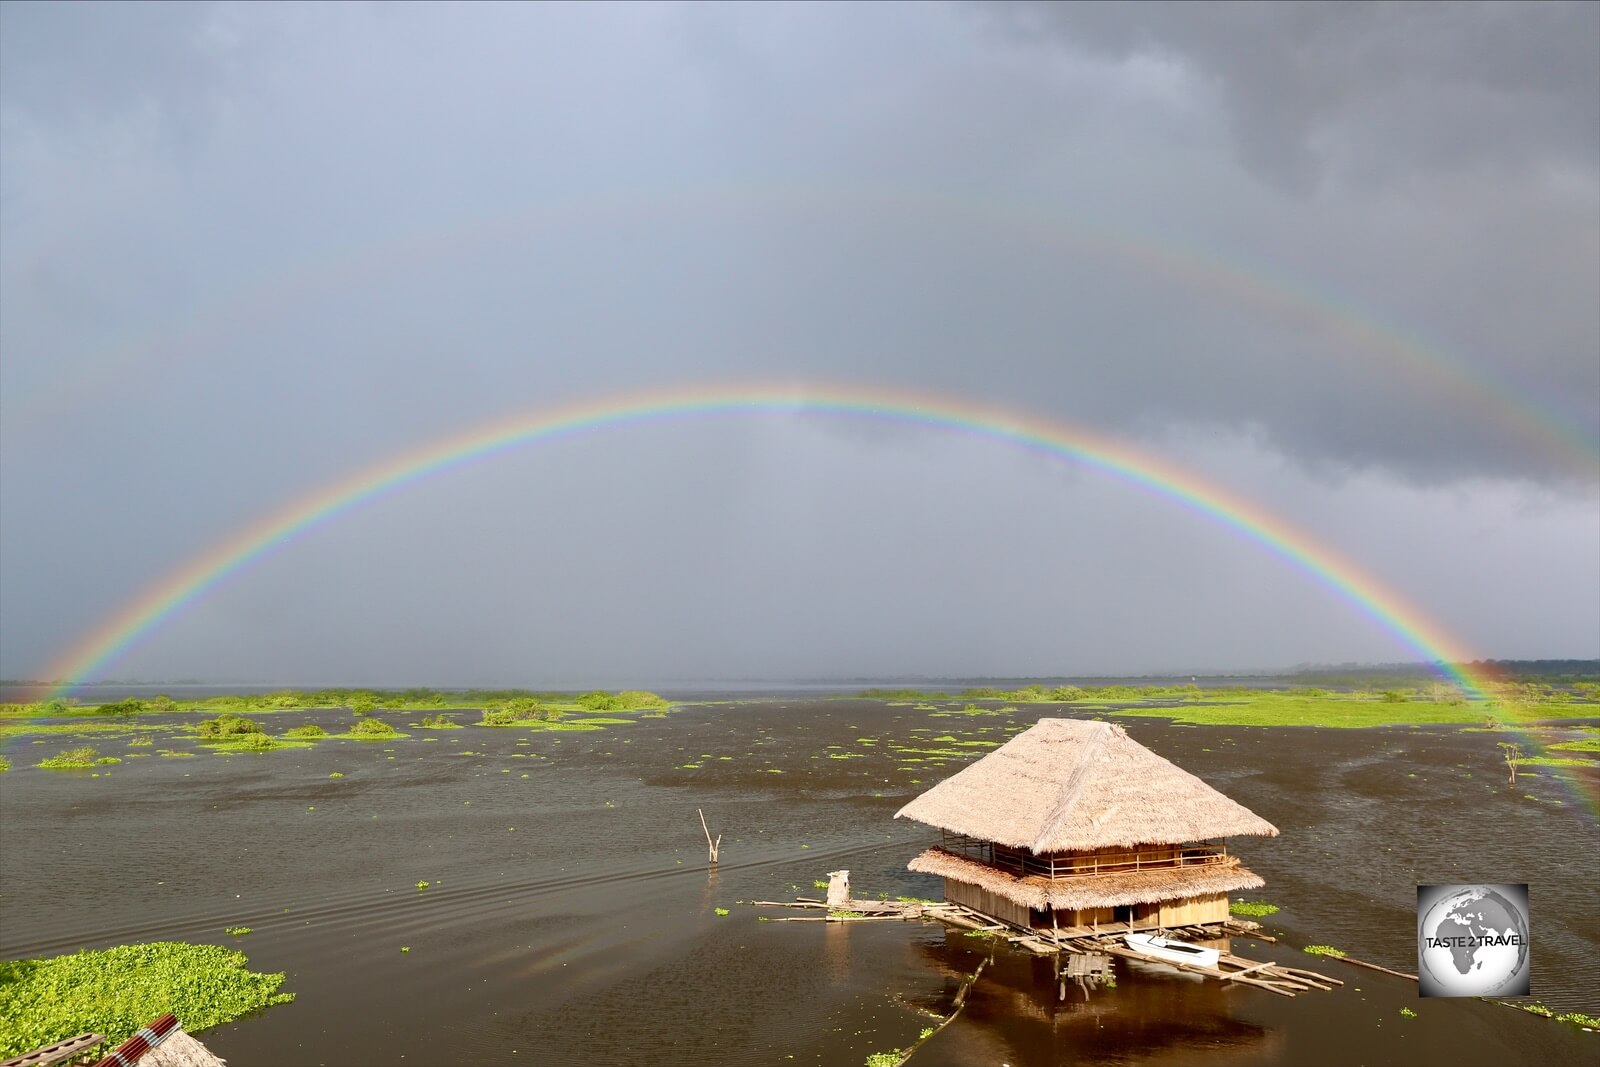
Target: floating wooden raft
1285	981
1275	977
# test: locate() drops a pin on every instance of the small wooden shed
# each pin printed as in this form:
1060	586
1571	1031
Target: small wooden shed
1073	825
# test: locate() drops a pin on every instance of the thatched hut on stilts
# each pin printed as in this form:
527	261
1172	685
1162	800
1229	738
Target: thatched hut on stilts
1074	826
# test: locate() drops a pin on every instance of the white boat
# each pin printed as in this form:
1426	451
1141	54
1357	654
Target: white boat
1176	951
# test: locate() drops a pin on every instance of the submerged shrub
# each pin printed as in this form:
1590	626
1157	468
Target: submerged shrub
373	728
227	725
309	730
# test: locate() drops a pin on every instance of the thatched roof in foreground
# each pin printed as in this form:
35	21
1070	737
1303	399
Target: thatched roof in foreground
1091	891
1065	784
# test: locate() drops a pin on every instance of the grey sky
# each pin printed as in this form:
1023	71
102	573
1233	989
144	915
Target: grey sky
1339	258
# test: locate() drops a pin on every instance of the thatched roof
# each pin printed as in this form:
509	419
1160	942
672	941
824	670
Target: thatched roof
1091	891
1068	784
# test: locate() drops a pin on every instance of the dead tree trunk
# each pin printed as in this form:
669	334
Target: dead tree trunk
1512	753
711	846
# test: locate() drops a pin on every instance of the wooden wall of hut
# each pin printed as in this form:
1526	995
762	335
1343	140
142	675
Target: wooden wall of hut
981	900
1212	908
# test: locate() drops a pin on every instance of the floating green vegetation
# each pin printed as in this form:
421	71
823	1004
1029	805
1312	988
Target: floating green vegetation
891	1058
1408	1013
1554	761
69	729
982	935
439	722
252	743
1585	744
1325	950
174	754
911	900
819	883
370	730
423	885
1301	706
1254	908
140	742
841	914
722	911
308	730
5	765
117	991
239	931
76	759
336	774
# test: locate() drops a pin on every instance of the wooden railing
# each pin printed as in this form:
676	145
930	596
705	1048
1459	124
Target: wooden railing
1025	863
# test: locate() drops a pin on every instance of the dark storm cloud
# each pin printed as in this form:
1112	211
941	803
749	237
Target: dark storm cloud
1371	90
251	248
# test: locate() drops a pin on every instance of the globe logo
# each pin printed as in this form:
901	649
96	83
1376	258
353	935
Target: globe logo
1472	940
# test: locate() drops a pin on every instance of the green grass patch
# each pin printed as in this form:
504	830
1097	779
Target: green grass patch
1586	744
1554	761
117	991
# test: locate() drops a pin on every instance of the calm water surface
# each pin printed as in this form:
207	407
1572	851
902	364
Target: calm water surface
571	918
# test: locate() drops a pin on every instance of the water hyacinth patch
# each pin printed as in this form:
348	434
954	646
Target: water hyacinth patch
116	991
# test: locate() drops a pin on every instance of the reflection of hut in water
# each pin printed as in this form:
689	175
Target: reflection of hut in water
1075	825
1014	1015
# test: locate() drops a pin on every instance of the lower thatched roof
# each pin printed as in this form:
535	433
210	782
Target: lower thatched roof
1091	891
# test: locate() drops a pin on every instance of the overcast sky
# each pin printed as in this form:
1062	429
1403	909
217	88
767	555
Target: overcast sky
1340	259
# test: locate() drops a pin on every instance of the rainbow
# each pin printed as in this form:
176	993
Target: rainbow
167	597
1494	398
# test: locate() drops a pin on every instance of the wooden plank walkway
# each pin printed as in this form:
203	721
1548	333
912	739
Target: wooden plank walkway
1080	941
61	1050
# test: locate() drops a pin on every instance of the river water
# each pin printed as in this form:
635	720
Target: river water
571	917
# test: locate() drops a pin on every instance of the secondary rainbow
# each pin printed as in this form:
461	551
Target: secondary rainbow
1562	435
167	597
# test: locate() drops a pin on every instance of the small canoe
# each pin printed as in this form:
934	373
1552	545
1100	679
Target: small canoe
1176	951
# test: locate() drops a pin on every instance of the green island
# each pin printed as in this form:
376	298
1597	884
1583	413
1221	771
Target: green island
118	990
